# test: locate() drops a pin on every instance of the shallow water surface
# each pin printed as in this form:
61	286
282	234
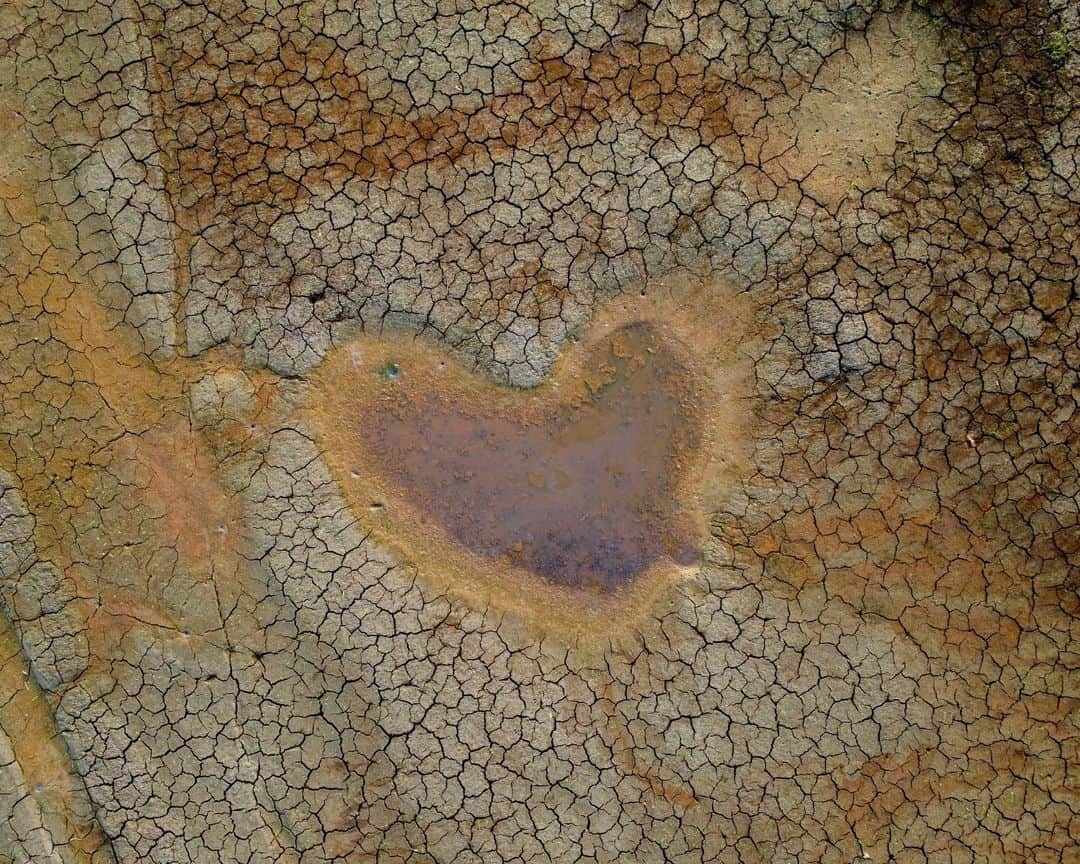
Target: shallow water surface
579	493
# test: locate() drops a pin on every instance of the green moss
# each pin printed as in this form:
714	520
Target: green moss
390	371
1058	46
1001	431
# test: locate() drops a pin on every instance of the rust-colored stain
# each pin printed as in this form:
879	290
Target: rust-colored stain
559	501
294	122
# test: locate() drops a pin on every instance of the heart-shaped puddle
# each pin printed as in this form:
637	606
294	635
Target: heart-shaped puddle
580	493
591	482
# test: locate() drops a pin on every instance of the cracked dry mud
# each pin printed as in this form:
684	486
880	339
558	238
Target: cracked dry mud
240	241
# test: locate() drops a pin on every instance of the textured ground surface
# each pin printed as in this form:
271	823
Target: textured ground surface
206	653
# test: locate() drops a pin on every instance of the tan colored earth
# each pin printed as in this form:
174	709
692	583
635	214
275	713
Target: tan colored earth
226	226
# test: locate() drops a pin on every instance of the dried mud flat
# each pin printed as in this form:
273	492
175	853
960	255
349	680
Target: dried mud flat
809	268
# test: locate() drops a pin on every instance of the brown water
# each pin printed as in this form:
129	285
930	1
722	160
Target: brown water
581	495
